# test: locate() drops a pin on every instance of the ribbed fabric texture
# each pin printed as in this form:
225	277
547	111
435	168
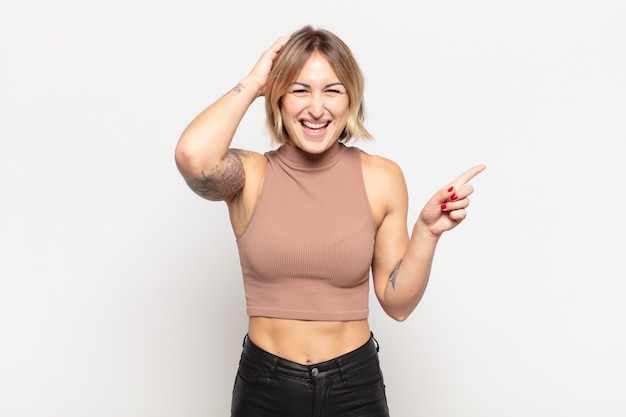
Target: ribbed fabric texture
307	250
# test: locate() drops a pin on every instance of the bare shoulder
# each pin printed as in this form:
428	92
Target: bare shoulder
385	185
378	169
249	159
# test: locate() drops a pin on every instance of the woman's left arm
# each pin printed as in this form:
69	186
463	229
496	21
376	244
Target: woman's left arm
401	266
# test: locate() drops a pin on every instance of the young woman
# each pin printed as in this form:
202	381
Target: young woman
312	220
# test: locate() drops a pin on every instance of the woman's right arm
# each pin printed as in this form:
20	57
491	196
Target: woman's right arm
203	157
203	154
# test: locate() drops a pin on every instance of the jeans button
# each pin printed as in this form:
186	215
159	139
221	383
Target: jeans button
315	372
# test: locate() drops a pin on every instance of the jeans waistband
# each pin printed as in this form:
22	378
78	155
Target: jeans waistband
341	364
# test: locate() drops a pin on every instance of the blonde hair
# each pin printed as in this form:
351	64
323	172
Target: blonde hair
288	64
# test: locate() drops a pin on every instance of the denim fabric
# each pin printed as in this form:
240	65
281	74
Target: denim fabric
351	385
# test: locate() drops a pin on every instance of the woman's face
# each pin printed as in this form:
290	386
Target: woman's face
315	109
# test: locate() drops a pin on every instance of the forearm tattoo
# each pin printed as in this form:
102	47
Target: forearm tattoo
394	274
220	184
238	88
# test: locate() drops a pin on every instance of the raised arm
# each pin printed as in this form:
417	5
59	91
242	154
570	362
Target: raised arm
401	268
203	154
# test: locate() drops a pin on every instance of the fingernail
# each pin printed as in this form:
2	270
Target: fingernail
443	207
450	189
454	197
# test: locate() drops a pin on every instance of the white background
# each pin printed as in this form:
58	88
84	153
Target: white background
120	289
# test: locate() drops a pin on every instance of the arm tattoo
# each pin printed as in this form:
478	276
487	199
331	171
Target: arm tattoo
238	88
218	185
394	274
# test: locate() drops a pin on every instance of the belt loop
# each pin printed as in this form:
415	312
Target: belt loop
342	371
273	367
375	342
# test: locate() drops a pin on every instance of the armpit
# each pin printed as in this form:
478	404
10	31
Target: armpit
223	180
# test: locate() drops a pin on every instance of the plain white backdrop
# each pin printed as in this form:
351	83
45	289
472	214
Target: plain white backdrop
120	289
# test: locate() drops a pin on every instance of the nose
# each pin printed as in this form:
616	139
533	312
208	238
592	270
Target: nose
316	106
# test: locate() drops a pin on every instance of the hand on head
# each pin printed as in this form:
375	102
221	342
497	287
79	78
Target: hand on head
261	70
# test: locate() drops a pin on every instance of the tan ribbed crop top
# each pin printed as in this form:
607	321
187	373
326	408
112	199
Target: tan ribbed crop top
307	250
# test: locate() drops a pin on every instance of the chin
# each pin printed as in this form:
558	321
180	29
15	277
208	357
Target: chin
312	145
315	147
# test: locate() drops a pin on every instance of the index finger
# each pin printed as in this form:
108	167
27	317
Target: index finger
465	177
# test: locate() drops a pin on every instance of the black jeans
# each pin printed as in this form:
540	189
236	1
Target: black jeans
348	386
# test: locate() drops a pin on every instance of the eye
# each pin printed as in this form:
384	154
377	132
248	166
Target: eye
334	91
299	92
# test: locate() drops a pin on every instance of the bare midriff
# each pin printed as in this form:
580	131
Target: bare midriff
307	342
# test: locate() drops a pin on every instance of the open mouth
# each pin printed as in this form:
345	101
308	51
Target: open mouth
314	126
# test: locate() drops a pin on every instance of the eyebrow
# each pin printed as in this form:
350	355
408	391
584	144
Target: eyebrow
309	85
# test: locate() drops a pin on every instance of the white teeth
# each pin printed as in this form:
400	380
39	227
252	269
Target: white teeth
314	125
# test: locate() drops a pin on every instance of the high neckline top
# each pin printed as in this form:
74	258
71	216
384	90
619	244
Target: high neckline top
307	250
298	159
